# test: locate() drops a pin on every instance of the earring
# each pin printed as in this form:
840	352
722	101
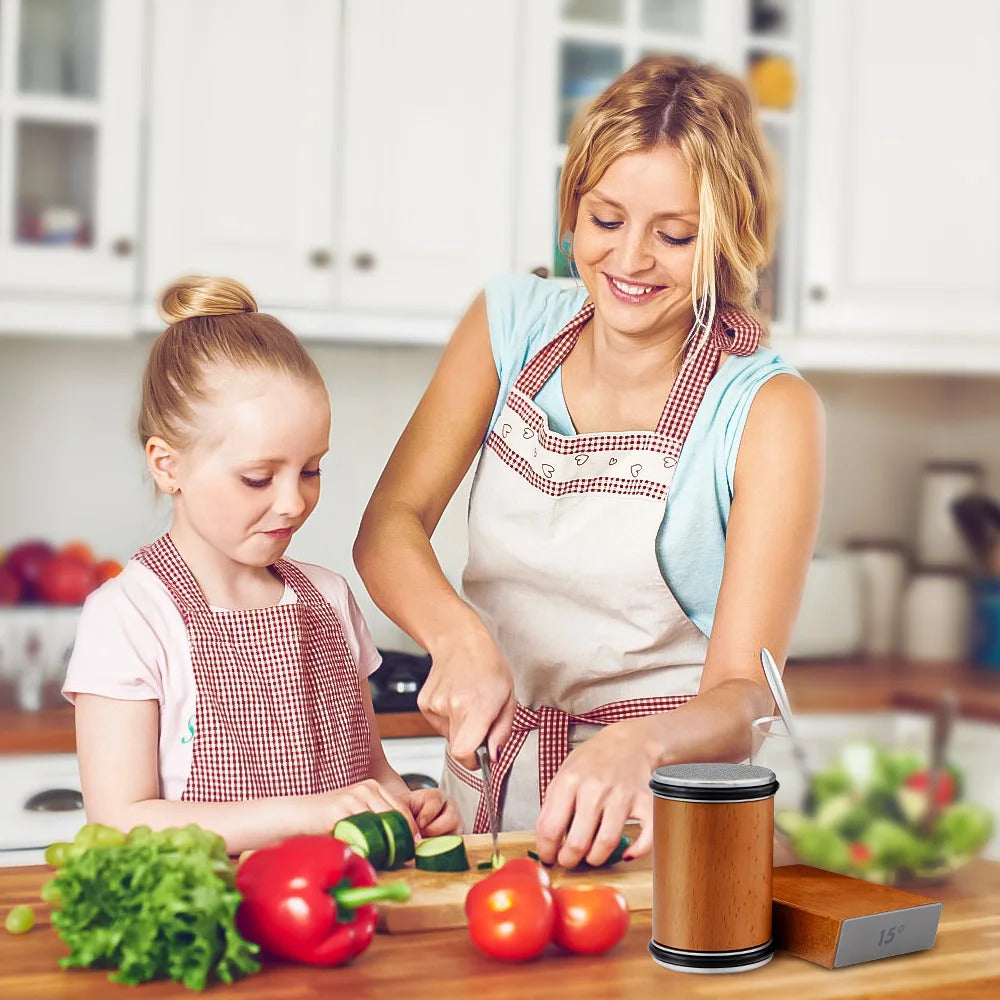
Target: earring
171	489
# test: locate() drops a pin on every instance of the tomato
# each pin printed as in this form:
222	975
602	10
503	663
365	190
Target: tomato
526	868
79	550
945	790
511	916
107	569
65	579
589	918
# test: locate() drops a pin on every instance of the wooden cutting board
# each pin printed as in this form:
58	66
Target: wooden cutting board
438	899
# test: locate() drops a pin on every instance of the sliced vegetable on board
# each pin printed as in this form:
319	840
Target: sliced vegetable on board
442	854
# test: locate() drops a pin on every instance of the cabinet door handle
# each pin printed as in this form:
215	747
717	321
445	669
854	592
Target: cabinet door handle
122	247
817	293
321	258
542	271
364	261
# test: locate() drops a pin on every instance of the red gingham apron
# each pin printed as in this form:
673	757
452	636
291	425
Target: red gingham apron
278	709
563	571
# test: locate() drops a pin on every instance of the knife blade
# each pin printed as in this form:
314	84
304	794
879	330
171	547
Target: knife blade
483	756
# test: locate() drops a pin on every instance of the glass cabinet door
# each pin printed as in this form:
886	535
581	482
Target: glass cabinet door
69	118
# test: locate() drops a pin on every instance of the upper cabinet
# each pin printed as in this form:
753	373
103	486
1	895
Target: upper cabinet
336	157
427	142
902	200
574	48
243	125
70	103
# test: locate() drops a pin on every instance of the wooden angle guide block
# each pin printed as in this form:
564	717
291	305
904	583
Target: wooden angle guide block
834	920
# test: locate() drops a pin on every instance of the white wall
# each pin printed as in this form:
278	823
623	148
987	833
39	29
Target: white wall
72	468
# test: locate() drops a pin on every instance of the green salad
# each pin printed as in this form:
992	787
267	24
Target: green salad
866	815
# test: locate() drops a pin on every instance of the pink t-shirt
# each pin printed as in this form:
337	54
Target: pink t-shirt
131	644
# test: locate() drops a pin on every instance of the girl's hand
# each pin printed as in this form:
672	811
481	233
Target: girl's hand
327	808
433	813
601	784
468	696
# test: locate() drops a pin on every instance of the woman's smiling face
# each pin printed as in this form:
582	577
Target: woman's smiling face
634	243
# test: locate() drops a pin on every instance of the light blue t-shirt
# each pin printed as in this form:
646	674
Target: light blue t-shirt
526	312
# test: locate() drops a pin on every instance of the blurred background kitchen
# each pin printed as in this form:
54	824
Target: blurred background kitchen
365	165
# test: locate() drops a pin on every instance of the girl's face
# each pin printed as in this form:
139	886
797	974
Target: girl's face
251	477
634	243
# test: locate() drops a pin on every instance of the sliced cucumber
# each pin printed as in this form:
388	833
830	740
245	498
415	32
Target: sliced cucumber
366	834
497	861
614	857
398	838
442	854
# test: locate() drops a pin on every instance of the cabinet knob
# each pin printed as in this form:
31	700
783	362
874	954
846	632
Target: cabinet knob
541	271
122	247
364	261
817	293
321	258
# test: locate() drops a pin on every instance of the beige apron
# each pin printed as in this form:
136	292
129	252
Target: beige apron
563	572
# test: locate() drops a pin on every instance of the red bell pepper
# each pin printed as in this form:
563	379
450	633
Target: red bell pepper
310	899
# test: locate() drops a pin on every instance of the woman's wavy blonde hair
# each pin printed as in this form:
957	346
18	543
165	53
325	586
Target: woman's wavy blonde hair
211	322
708	116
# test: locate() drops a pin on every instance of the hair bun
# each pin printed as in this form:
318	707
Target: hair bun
196	295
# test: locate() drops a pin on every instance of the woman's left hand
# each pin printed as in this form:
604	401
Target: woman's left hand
602	783
433	813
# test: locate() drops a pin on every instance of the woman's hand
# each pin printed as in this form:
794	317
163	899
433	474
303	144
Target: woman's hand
433	813
468	696
602	783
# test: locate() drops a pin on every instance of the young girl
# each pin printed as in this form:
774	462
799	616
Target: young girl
214	681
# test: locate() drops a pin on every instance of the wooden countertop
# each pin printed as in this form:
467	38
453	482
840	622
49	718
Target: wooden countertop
813	686
964	963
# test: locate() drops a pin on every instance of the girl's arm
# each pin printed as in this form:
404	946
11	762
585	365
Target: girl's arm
469	692
772	528
118	756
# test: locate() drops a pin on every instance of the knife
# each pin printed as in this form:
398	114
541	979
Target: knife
483	756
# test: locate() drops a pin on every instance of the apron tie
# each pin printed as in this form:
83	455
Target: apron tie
553	741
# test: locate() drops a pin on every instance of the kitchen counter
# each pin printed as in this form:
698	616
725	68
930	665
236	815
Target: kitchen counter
813	686
964	963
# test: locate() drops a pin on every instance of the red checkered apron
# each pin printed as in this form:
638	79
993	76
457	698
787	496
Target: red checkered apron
563	571
278	709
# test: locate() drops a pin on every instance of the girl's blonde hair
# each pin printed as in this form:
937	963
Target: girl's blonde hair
211	322
708	116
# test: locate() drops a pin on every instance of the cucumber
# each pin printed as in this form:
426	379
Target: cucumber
613	858
366	835
398	838
442	854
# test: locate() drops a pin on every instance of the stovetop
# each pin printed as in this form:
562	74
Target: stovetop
398	680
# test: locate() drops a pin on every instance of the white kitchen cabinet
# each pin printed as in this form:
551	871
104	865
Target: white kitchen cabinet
427	141
574	48
902	202
243	122
70	104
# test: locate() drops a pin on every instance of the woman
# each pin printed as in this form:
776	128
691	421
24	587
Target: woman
607	630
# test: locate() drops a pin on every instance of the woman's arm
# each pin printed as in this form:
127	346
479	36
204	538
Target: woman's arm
469	692
118	756
773	521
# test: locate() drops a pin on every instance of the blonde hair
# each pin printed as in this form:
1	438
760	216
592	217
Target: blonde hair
708	116
211	322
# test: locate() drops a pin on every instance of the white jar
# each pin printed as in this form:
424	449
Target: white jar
884	566
937	616
940	544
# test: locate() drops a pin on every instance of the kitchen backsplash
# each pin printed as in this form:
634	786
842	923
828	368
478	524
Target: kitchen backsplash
73	469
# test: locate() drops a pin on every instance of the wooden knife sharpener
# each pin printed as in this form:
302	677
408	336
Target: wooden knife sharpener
834	920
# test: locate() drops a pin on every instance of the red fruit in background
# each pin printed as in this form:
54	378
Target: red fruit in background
81	550
10	587
860	853
944	787
25	561
66	580
107	569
